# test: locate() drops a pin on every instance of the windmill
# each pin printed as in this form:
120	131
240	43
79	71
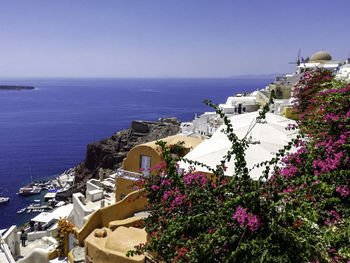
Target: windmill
298	61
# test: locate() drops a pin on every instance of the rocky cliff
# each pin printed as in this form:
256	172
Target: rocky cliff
108	154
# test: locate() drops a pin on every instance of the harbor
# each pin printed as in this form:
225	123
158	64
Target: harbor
36	197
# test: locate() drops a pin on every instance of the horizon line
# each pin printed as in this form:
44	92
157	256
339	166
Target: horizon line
135	77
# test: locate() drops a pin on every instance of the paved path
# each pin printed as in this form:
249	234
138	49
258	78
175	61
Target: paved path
40	243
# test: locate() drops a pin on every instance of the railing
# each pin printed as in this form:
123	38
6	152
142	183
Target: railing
121	173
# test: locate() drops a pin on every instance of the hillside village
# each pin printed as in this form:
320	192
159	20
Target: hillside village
101	220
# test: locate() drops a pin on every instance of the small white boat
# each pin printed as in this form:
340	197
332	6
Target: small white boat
4	199
37	201
29	210
21	211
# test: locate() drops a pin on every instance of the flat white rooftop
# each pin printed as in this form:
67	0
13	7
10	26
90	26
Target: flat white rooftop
45	217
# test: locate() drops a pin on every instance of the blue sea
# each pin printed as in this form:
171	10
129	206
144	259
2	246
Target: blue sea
45	131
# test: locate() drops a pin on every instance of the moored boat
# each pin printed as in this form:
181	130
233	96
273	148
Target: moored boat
4	200
28	190
21	210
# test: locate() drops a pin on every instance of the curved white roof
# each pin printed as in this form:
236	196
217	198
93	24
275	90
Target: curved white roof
235	100
272	136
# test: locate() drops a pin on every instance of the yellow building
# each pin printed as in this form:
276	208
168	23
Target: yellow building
290	114
282	87
145	156
112	231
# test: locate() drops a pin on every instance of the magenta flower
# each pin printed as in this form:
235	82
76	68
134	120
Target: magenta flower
343	190
155	187
244	218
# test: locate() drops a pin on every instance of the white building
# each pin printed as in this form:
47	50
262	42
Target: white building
98	194
279	105
281	88
48	222
320	59
9	245
207	123
344	72
240	104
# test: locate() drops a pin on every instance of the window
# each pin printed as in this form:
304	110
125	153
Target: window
145	163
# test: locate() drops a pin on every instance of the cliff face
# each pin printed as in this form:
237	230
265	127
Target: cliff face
109	153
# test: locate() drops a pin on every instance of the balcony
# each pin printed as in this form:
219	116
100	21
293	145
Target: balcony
121	173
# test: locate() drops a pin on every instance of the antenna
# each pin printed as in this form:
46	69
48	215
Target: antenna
298	60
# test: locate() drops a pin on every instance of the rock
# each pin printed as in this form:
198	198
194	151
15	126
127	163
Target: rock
109	153
139	127
172	120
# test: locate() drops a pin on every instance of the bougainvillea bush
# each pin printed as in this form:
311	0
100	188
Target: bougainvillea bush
298	211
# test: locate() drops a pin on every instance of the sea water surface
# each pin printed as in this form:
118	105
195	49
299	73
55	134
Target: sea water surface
45	131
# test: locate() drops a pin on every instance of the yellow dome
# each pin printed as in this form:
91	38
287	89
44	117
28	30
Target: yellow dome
320	55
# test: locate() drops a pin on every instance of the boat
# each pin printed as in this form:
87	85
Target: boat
4	200
21	211
38	207
28	190
31	189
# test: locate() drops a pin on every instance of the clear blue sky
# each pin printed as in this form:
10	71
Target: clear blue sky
166	38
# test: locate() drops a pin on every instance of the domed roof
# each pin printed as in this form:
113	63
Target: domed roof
320	55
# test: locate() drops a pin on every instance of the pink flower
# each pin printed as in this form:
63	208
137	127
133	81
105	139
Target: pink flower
212	231
166	195
343	190
155	187
165	182
244	218
197	179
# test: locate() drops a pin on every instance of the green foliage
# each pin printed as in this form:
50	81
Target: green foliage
178	148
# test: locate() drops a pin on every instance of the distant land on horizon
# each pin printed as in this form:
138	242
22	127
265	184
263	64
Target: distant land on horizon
258	76
15	87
